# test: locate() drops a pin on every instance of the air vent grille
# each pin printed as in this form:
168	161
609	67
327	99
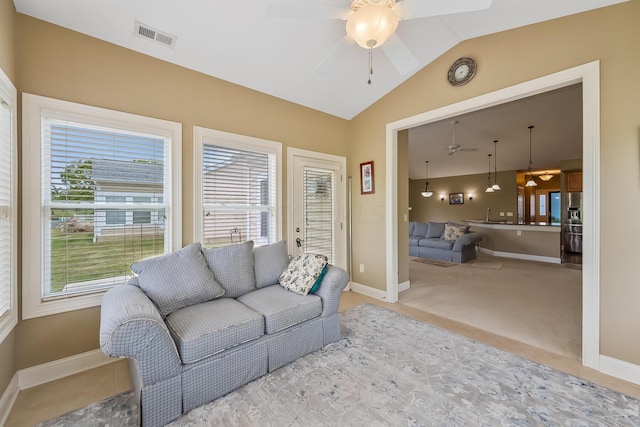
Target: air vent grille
151	33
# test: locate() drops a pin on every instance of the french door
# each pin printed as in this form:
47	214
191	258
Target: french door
316	191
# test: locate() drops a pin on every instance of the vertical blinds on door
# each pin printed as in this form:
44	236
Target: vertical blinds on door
239	196
105	195
6	206
319	188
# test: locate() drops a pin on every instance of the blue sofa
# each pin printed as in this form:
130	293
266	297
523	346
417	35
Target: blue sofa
427	240
191	341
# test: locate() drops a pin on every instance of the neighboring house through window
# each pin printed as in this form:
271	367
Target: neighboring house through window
108	181
238	188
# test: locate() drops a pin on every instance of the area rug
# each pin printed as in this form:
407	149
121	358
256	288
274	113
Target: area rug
435	262
391	370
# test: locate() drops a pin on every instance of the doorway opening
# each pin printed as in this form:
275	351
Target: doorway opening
588	75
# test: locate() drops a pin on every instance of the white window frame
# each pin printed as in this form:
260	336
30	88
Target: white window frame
33	232
9	320
202	136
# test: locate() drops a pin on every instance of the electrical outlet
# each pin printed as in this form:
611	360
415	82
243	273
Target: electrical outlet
509	213
519	233
361	268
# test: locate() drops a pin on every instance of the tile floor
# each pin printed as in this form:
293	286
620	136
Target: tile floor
50	400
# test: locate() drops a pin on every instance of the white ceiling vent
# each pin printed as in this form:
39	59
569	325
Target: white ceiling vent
143	30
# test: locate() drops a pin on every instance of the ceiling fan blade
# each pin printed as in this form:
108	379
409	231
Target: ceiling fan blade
334	57
467	149
400	56
451	153
410	9
306	11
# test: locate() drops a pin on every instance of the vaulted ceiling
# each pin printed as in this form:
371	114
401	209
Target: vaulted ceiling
292	49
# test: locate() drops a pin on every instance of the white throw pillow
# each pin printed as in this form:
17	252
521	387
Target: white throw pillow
302	272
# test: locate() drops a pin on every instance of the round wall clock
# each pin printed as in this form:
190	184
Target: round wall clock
461	71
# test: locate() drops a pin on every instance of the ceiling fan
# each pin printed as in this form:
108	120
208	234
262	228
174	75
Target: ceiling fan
372	24
453	147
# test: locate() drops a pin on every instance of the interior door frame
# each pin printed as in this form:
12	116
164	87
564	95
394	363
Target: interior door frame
342	184
589	75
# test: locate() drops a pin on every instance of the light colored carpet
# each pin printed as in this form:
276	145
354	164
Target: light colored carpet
487	264
536	303
435	262
391	370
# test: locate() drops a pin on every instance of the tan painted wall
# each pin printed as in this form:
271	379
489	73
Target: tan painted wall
7	64
63	64
610	35
432	209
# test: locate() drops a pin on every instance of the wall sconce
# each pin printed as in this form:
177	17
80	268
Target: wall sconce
470	195
442	197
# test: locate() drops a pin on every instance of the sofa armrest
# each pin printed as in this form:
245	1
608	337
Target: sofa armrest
466	240
331	287
131	326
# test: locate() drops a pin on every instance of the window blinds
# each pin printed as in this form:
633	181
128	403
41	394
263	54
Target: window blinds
104	196
319	189
6	206
238	193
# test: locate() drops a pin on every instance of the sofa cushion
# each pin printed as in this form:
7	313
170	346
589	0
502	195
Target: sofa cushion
232	267
177	279
466	226
420	229
281	308
452	232
205	329
302	272
412	225
413	241
436	229
269	263
436	243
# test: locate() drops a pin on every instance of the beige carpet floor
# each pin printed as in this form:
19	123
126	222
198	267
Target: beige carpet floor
535	303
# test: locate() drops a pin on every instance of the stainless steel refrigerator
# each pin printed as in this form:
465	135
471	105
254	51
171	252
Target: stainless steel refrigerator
572	227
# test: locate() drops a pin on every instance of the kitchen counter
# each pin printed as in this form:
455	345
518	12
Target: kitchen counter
507	225
534	241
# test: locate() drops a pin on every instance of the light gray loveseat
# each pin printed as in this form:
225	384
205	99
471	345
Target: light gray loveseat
429	240
191	342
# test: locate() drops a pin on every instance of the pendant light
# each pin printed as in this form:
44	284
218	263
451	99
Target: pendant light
545	176
426	192
495	185
531	182
489	187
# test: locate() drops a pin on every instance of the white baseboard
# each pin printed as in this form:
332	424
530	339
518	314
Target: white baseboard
404	286
527	257
368	291
8	399
620	369
61	368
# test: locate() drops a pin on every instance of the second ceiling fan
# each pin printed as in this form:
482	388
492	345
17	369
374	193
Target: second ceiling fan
454	147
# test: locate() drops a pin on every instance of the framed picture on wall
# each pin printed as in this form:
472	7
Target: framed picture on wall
367	184
456	198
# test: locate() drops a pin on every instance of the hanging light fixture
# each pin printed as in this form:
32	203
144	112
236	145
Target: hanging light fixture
545	176
531	182
426	192
495	185
489	187
371	24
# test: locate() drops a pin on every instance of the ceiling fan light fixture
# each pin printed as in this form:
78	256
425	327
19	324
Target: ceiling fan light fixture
372	24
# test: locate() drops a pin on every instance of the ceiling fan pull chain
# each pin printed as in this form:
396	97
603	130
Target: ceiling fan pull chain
370	65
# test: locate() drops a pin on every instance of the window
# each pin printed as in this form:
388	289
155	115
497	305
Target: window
94	179
237	189
8	197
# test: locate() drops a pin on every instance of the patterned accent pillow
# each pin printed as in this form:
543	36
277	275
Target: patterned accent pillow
452	232
178	279
302	272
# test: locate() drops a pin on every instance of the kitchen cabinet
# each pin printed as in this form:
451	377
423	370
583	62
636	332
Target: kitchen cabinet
574	182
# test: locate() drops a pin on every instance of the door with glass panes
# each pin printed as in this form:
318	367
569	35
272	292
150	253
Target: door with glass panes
317	205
